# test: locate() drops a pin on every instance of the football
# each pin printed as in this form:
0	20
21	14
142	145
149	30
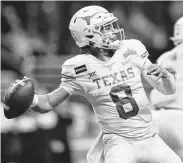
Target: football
18	98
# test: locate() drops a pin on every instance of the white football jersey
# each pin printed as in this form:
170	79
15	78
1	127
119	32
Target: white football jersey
172	59
115	88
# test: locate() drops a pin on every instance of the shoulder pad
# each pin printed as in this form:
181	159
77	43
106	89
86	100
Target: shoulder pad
75	65
76	60
135	47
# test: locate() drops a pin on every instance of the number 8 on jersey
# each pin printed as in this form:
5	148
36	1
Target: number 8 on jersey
120	102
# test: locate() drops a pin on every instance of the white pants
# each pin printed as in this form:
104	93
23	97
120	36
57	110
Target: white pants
151	150
169	125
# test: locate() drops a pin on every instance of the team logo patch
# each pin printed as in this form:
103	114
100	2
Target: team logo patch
129	52
93	75
80	69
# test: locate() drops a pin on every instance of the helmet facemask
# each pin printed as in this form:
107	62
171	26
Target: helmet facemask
109	36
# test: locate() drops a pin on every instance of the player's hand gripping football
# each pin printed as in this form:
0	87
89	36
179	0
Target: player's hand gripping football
156	70
18	98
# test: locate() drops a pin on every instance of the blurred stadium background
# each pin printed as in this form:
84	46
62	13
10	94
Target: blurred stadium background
35	41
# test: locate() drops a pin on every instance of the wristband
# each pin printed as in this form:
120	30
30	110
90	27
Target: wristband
35	101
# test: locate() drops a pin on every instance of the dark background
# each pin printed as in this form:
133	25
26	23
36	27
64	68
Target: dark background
35	41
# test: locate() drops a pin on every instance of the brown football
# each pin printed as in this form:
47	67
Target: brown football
18	98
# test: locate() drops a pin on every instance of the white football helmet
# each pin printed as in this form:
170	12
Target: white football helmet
95	26
178	32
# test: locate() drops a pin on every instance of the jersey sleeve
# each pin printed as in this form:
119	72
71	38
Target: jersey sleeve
141	55
164	85
70	81
140	49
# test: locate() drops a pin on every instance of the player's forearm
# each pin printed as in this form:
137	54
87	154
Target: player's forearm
45	103
165	85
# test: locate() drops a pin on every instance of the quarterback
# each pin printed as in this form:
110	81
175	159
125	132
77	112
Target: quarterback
169	113
109	72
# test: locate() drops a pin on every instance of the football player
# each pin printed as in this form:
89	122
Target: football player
169	119
109	72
